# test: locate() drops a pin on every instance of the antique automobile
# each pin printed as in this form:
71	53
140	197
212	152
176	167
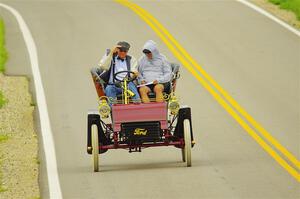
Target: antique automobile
125	124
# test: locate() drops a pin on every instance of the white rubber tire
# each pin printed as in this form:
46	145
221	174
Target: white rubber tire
183	155
187	142
95	146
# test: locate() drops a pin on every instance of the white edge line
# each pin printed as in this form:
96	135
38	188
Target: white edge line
263	12
52	173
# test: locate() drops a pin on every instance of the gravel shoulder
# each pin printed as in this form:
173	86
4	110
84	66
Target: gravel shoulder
19	164
285	15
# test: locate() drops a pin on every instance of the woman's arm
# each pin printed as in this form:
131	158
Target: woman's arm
167	72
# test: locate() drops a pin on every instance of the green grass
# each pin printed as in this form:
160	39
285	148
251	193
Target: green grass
3	58
2	189
2	100
292	5
2	139
37	161
3	52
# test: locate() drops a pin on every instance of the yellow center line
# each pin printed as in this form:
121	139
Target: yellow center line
225	94
185	62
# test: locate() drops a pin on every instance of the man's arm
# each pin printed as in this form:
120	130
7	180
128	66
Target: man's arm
105	62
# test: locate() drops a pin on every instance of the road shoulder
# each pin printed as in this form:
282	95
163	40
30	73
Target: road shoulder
19	153
19	164
285	15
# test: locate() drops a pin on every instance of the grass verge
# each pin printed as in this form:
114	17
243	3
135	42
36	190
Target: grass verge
3	58
3	52
2	139
292	5
2	99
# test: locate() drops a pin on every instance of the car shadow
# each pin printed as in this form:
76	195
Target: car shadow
104	168
145	166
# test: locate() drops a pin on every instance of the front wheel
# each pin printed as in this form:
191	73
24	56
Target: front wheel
183	155
95	146
187	153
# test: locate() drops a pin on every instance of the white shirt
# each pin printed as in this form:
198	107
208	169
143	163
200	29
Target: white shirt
105	62
119	66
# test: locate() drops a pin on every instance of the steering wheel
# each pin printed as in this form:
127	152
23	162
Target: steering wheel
130	79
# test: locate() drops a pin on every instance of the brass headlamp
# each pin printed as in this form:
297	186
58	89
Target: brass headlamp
173	104
104	108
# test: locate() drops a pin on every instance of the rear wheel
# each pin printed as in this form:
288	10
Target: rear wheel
187	153
95	146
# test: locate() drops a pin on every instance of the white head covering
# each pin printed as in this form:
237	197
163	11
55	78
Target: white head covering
157	68
151	46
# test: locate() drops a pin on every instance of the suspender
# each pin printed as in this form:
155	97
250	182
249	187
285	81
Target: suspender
128	62
113	66
113	62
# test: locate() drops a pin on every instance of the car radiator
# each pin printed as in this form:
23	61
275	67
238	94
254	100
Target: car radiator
141	132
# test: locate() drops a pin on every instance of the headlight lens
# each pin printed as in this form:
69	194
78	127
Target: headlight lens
104	109
174	107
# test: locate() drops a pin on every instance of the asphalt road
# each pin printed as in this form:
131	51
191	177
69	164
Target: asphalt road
252	57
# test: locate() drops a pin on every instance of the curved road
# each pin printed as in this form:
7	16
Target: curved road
252	57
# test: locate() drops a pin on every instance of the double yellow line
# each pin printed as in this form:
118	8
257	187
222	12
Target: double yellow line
220	95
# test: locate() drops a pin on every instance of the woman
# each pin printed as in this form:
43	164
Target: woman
155	71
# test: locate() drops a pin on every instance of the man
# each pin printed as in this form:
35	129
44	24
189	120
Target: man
155	70
114	61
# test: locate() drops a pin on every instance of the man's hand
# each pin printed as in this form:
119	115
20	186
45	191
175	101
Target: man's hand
155	82
136	73
115	49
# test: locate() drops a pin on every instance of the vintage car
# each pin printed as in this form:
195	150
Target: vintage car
124	124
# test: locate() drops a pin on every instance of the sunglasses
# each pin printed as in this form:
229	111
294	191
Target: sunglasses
146	51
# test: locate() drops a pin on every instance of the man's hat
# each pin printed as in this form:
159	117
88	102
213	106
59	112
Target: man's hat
124	44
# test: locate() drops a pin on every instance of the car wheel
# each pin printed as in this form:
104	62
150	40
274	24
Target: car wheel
187	143
183	154
95	146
